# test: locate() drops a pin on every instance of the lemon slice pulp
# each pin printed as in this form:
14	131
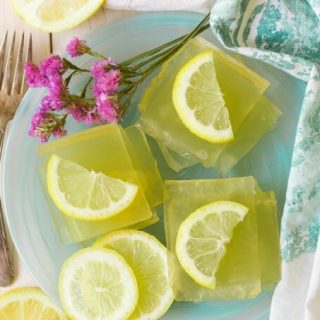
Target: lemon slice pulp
84	194
199	102
96	284
28	303
56	15
202	238
148	259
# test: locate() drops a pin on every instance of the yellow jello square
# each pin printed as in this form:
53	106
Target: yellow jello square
101	149
238	276
261	119
144	163
269	241
240	86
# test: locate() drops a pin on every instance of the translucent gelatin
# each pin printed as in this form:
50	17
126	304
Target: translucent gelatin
144	163
238	276
261	119
103	149
241	88
269	241
252	262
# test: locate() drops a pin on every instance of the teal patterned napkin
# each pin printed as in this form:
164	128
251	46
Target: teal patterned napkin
286	34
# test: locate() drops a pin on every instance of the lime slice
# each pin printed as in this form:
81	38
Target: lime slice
202	237
148	259
57	15
84	194
199	101
96	284
28	303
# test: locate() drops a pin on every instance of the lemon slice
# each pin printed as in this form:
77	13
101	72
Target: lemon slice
28	303
202	237
84	194
148	259
96	284
199	101
57	15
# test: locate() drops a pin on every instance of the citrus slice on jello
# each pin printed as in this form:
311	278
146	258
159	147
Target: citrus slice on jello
199	102
148	259
84	194
97	283
28	303
57	15
202	238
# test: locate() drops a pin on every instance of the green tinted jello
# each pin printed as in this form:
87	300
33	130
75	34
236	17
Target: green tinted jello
238	276
252	262
103	149
269	241
242	89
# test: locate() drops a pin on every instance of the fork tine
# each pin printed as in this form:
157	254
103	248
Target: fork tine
18	72
24	86
8	69
2	54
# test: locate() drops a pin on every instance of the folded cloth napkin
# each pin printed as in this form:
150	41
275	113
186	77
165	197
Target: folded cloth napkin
286	34
160	5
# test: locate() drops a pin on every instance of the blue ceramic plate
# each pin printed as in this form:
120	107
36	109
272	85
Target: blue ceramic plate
27	212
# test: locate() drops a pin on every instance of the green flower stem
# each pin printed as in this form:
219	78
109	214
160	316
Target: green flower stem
72	66
175	49
159	55
166	45
67	80
96	54
162	57
84	89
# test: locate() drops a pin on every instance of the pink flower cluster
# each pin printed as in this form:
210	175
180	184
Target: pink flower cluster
77	47
54	108
49	75
107	80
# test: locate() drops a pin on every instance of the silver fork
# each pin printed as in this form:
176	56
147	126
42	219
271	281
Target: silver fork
12	89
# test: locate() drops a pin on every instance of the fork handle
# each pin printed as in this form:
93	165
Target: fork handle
6	266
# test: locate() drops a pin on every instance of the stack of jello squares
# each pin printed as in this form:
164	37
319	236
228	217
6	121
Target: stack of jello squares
250	261
251	114
118	153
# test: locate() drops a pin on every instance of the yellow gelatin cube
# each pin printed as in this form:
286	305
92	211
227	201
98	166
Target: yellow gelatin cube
101	149
177	161
269	240
240	86
260	120
238	276
144	164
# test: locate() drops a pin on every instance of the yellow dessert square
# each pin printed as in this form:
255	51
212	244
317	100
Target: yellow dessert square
240	86
101	149
144	163
269	240
238	276
260	120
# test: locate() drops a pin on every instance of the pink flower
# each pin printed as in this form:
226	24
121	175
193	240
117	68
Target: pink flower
46	105
44	124
107	83
107	108
52	66
58	92
59	132
77	47
34	76
99	67
84	113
